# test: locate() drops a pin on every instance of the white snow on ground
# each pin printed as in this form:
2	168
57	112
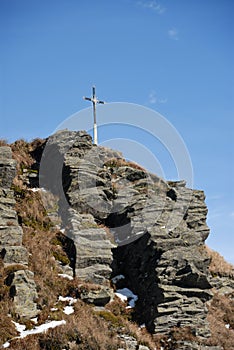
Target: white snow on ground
37	189
126	294
117	278
35	320
64	275
69	299
40	329
68	310
121	296
6	345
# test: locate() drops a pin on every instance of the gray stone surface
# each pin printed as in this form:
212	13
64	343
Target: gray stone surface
7	167
159	228
14	255
93	248
23	288
98	297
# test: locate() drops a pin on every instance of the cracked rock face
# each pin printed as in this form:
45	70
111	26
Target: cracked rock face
157	231
21	282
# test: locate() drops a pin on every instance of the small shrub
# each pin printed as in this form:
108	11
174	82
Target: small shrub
62	257
108	316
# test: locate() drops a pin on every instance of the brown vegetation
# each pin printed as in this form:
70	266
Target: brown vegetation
22	152
218	265
86	328
221	319
7	328
120	162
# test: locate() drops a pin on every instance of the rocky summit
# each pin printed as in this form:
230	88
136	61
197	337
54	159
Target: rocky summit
120	229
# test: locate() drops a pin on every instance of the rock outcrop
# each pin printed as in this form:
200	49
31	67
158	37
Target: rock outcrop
115	227
158	229
13	253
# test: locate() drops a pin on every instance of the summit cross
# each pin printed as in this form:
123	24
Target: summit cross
94	101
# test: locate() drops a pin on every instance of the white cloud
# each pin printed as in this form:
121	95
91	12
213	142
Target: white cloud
153	5
173	33
153	99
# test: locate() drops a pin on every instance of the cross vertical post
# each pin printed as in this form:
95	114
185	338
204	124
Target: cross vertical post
94	101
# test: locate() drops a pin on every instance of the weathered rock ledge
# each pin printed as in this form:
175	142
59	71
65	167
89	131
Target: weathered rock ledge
13	253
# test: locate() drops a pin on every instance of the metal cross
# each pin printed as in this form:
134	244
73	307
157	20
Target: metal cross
95	101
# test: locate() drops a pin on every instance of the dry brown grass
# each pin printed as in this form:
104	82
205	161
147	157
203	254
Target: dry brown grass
176	336
83	330
221	313
7	329
119	316
43	263
218	265
23	152
30	209
120	162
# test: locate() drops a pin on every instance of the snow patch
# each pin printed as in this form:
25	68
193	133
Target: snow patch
40	329
64	275
35	320
68	310
6	345
54	309
37	189
69	299
227	326
126	294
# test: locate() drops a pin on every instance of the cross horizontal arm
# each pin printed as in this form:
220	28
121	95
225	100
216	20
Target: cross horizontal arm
87	98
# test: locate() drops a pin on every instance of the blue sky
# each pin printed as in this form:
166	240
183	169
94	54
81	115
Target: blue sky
174	56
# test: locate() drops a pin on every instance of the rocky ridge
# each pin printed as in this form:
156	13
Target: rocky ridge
159	229
119	221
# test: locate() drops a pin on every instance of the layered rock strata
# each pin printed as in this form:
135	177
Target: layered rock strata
13	254
158	229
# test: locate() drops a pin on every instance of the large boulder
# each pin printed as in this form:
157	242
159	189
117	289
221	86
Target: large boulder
23	290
